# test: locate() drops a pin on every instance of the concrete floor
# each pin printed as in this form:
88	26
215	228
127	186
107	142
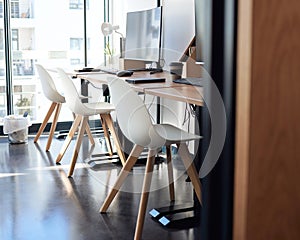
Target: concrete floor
39	201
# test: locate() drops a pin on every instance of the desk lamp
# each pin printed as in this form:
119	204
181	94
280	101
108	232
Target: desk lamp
107	29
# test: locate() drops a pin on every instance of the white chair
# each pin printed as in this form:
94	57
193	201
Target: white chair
83	111
135	123
51	93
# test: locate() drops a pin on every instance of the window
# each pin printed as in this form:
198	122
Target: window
1	9
15	9
76	43
23	67
30	42
15	39
76	4
1	39
75	61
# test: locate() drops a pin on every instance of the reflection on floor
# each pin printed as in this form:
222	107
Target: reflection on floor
39	201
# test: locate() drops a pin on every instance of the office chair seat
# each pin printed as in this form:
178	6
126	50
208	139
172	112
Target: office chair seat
173	134
135	123
83	111
96	108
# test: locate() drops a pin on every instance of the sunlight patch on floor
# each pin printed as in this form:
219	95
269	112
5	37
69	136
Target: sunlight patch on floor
3	175
58	167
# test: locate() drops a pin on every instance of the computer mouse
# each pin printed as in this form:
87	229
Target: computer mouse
124	73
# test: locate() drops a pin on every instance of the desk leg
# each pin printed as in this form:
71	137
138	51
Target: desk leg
183	215
158	110
84	89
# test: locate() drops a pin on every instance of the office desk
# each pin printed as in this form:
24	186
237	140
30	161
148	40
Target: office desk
182	93
168	89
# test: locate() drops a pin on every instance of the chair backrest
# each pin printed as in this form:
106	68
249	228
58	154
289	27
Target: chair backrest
48	85
73	100
132	115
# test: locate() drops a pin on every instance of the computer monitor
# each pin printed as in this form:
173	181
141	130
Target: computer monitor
203	25
143	35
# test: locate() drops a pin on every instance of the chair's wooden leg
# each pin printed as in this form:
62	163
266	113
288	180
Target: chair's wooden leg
145	195
135	153
82	128
170	173
53	126
89	133
106	134
44	123
191	170
69	138
112	129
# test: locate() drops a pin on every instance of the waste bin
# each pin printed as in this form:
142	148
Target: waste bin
16	127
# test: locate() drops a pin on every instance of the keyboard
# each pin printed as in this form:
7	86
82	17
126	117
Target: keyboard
190	81
145	80
115	71
146	69
87	70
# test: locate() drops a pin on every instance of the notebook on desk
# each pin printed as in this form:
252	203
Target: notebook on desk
145	80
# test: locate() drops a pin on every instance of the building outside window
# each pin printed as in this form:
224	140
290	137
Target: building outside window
35	39
15	10
78	4
15	39
76	43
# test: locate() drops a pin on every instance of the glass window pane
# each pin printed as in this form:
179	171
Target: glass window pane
2	67
15	9
95	42
49	32
55	43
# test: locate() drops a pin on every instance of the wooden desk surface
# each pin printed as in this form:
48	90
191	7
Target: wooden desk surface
168	89
182	93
